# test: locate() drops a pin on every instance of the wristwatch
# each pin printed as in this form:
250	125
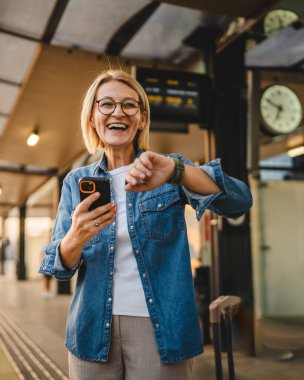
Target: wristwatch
179	172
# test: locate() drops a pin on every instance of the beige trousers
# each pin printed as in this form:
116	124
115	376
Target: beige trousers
133	356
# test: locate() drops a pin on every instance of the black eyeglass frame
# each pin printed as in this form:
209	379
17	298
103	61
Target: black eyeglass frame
139	103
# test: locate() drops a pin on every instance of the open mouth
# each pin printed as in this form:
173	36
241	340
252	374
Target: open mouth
117	127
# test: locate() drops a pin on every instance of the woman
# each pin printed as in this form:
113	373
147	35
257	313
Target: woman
133	313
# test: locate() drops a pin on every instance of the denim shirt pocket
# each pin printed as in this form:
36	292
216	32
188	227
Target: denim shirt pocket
101	236
162	215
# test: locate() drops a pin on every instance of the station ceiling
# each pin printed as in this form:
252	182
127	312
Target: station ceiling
51	50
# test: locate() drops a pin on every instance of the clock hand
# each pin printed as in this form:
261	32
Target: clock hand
272	103
279	110
277	114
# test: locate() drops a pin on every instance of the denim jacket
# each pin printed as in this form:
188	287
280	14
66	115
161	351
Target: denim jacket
157	229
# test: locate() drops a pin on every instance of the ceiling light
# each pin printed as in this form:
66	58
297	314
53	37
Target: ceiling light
33	138
296	151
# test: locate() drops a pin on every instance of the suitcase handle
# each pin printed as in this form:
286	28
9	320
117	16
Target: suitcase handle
228	306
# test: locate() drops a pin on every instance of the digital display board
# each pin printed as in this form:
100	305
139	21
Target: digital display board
176	96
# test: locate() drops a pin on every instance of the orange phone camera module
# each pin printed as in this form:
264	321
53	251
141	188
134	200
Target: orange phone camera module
87	187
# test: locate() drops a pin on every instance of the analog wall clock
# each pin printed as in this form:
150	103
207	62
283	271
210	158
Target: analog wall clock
281	109
278	19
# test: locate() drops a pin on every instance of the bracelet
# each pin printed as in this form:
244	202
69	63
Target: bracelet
179	172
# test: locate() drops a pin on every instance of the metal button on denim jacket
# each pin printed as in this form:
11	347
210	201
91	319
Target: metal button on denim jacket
158	235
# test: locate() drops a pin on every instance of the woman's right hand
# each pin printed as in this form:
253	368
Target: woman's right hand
85	224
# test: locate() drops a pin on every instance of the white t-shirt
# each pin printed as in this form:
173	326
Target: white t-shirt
128	293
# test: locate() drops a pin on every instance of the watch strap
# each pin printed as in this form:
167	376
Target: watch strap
179	172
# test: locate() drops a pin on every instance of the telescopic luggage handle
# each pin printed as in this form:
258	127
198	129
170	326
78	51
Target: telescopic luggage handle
226	306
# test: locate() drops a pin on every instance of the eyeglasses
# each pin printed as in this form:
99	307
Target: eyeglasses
129	107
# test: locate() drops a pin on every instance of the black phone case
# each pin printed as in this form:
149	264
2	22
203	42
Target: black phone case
102	187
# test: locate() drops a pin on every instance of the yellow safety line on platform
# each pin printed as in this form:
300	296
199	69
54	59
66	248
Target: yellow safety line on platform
18	342
14	328
12	363
16	351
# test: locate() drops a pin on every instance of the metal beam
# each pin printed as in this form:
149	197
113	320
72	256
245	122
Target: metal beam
282	168
230	128
27	171
21	267
63	287
253	120
3	242
8	204
19	35
235	8
54	20
293	69
127	31
35	206
11	83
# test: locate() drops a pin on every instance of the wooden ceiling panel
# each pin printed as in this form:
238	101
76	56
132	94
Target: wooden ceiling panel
51	101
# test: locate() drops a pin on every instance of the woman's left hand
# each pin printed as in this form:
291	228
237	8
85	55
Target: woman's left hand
148	171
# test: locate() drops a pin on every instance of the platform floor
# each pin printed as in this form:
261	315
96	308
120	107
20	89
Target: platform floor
32	341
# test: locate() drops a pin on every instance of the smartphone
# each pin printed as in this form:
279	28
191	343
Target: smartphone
90	185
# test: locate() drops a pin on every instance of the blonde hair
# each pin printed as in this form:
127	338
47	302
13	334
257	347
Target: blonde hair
91	139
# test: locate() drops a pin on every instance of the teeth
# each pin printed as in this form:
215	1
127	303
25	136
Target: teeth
118	126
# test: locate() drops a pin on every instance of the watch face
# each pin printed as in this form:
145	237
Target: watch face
281	109
278	19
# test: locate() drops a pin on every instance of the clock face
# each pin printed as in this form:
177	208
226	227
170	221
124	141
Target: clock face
281	109
277	19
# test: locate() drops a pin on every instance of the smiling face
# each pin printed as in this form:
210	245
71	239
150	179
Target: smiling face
117	130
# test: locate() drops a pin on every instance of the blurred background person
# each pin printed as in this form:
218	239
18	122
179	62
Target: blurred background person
47	279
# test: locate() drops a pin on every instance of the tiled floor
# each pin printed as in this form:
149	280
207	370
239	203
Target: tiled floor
43	323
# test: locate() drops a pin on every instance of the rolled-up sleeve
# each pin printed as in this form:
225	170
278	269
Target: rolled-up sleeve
51	263
233	200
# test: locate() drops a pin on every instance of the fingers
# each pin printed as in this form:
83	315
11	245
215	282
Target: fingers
103	213
146	159
83	215
101	210
103	220
86	203
89	223
99	215
139	171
